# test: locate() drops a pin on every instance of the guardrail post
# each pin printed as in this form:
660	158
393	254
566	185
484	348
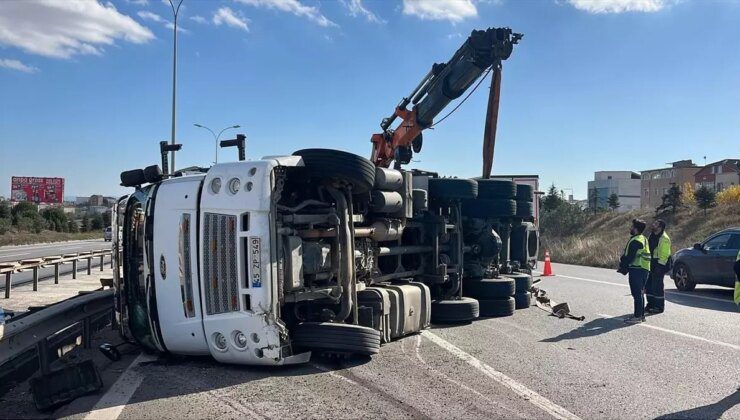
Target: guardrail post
74	269
35	278
8	284
89	265
43	355
102	256
56	273
111	260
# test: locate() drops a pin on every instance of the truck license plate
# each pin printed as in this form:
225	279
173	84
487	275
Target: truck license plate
255	263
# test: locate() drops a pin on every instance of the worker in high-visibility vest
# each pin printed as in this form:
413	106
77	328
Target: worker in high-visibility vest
737	279
635	262
660	245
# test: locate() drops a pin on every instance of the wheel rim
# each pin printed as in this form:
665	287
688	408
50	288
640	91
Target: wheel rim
682	276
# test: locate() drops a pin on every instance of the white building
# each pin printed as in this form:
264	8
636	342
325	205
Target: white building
625	184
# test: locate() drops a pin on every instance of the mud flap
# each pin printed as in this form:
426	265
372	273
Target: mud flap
64	385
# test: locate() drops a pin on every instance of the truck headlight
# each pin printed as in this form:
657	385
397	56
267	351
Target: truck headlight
234	185
219	341
240	340
216	185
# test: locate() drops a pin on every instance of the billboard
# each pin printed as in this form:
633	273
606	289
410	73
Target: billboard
37	190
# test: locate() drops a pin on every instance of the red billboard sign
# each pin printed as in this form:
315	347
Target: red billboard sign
37	190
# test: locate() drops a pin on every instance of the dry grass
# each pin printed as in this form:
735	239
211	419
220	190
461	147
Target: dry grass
25	238
601	241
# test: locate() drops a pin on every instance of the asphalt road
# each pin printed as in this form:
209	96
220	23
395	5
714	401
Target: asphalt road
22	252
680	364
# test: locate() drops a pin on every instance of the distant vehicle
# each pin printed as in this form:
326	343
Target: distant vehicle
708	262
107	234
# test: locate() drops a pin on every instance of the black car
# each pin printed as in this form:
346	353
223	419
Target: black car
708	262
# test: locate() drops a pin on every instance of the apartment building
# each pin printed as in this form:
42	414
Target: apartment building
625	184
656	182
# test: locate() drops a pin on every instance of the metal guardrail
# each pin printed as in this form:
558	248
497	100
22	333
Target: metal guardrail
9	267
46	329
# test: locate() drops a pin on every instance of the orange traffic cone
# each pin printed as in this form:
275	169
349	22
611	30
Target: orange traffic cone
548	267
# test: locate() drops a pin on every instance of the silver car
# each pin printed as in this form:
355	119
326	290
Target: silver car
708	262
107	234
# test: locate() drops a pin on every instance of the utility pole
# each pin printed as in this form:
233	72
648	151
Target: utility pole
175	11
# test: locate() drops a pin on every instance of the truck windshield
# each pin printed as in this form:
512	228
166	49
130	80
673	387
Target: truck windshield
135	274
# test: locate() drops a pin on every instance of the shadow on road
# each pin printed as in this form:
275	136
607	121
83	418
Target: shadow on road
711	411
715	299
592	328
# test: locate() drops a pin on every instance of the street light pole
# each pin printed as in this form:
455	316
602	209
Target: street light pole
175	11
216	137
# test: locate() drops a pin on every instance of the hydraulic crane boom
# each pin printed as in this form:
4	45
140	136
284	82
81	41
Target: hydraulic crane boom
444	83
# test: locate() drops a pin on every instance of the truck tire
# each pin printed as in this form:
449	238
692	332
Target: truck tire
523	282
524	209
522	300
489	288
485	208
524	192
452	188
496	189
453	311
497	307
339	165
336	338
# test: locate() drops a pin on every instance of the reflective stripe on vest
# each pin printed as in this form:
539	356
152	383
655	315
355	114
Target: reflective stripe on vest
642	258
663	251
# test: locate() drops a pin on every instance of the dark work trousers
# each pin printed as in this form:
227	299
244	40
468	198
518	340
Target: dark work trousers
654	290
638	278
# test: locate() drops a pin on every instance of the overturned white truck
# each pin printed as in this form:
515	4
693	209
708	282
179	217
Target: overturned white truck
265	261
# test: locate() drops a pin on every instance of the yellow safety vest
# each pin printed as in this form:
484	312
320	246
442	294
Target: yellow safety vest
737	284
642	258
663	251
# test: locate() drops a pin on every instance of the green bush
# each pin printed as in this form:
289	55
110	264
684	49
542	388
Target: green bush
5	226
565	219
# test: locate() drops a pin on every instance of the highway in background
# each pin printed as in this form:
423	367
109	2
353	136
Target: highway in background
680	364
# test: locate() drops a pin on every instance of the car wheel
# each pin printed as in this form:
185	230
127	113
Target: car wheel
683	279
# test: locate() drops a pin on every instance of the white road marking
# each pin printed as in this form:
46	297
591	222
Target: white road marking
110	405
668	292
14	255
536	399
681	334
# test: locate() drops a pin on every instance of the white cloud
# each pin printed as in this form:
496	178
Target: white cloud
17	65
138	2
454	35
619	6
452	10
294	7
356	8
226	16
62	29
146	15
198	19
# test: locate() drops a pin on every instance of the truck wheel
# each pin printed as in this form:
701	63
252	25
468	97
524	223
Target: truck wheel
341	166
496	188
485	208
522	300
523	282
452	311
683	278
524	209
452	188
497	307
336	338
524	192
489	288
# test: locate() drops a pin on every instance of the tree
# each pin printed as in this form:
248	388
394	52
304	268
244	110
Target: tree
4	210
672	200
72	226
688	193
106	218
613	201
24	209
55	218
85	223
705	198
96	222
552	199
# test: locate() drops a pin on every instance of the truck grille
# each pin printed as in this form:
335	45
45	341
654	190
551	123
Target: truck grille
221	275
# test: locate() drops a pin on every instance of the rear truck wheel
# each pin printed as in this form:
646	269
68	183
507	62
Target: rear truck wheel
523	282
452	188
496	189
522	300
683	278
497	307
339	166
485	208
524	192
454	310
489	288
327	337
524	209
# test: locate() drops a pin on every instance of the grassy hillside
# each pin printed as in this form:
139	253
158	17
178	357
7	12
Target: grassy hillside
25	238
600	240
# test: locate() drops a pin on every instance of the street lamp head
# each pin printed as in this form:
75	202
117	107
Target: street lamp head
236	126
198	125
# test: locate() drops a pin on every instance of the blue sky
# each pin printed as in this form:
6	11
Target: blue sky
594	85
